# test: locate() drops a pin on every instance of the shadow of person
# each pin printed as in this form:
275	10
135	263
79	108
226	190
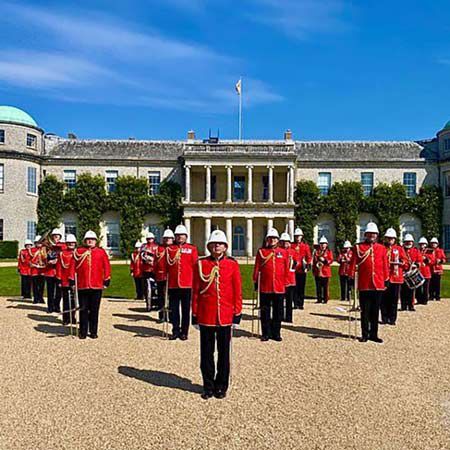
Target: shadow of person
161	379
135	317
239	332
28	307
139	310
316	333
333	316
139	331
18	299
52	330
246	316
39	318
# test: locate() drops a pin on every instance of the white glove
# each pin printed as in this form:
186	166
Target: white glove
235	326
196	327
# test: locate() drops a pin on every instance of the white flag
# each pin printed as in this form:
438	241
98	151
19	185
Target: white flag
239	87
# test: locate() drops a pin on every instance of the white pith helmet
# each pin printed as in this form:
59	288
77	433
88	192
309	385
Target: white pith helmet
347	244
434	240
408	238
217	237
37	238
150	235
323	240
423	240
390	233
181	229
56	231
372	228
71	239
90	235
285	237
272	233
298	232
168	233
28	242
137	245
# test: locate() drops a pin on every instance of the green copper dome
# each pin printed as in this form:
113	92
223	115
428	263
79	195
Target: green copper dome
447	126
16	115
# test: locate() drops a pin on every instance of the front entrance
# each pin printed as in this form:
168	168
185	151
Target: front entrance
238	241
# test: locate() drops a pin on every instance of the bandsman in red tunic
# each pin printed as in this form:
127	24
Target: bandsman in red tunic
322	259
65	274
270	275
161	271
136	271
38	264
24	269
93	274
216	307
397	264
370	260
148	253
304	260
53	290
437	269
181	258
426	265
414	260
285	242
344	259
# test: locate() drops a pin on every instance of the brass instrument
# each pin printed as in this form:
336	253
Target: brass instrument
165	324
256	302
146	255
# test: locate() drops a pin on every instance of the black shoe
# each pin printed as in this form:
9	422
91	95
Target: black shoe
295	307
318	301
412	309
278	338
264	338
82	336
377	340
301	307
49	310
220	394
93	336
391	323
207	394
384	322
173	337
65	322
57	310
363	339
183	337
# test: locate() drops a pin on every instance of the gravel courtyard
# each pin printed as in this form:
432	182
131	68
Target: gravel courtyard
132	390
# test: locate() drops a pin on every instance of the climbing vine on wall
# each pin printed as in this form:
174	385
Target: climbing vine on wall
50	204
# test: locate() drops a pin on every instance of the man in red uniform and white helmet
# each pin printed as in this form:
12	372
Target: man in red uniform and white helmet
24	269
93	272
414	260
289	297
304	260
426	265
370	259
216	307
436	269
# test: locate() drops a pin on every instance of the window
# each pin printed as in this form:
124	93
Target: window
324	230
324	182
265	183
31	180
156	230
1	229
238	188
112	235
447	184
2	177
111	178
367	182
2	136
410	180
154	182
213	187
31	140
238	241
70	227
31	230
70	178
447	238
447	144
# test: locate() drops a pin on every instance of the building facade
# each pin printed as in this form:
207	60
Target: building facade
240	187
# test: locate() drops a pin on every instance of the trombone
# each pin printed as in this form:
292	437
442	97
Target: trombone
256	308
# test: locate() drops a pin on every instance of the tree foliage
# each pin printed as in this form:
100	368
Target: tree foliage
50	204
308	207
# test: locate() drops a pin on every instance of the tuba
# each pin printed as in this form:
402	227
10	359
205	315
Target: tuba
147	256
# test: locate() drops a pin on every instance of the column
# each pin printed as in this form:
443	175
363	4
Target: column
207	232
229	233
187	224
187	187
249	184
249	237
269	223
292	182
228	183
208	184
288	185
270	183
291	228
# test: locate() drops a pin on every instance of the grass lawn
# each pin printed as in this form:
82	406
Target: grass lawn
122	285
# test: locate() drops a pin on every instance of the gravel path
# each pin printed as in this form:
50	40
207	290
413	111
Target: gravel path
131	390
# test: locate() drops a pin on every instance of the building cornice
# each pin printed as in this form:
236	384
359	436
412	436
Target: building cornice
20	155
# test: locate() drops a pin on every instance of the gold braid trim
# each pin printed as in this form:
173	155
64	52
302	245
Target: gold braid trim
209	279
363	256
81	258
41	253
266	259
175	259
65	266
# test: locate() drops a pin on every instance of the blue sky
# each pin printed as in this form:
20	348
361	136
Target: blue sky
152	69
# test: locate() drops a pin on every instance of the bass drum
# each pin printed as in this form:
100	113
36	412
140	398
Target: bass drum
414	279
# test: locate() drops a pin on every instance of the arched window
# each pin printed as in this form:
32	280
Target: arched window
409	223
325	227
238	240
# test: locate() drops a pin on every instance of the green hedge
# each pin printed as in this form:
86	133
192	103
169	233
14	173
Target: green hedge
9	249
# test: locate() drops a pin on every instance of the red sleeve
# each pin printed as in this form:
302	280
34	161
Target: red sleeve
106	267
58	267
287	268
237	286
385	265
329	257
256	268
195	289
195	255
131	264
352	267
442	256
308	254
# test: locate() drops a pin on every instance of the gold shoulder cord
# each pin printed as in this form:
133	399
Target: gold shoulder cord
80	258
267	258
209	279
363	256
175	259
65	265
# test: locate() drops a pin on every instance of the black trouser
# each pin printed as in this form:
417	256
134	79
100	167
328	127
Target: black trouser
300	283
69	313
139	285
89	309
53	295
271	323
435	287
38	288
423	292
389	303
161	298
149	288
322	289
180	297
288	303
370	310
407	297
346	287
215	380
25	286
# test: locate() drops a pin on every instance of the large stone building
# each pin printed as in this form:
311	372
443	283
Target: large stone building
241	187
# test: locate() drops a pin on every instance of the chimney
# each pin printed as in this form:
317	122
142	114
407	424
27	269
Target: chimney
288	135
191	136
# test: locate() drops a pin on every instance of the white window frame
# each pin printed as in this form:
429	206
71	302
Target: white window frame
366	186
410	186
2	136
324	187
32	180
154	187
31	229
32	137
108	224
70	183
2	178
111	180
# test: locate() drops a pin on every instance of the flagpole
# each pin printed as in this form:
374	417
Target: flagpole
240	112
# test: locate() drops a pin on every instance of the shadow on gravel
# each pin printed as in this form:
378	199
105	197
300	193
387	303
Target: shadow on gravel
135	317
39	318
139	310
53	330
139	331
162	379
333	316
238	333
316	333
28	307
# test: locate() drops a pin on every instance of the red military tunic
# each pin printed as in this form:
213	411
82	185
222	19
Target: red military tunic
322	270
413	256
161	264
217	291
50	267
271	268
303	257
38	261
65	267
92	267
344	263
24	261
439	259
427	262
181	260
373	266
293	261
151	248
398	263
136	264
